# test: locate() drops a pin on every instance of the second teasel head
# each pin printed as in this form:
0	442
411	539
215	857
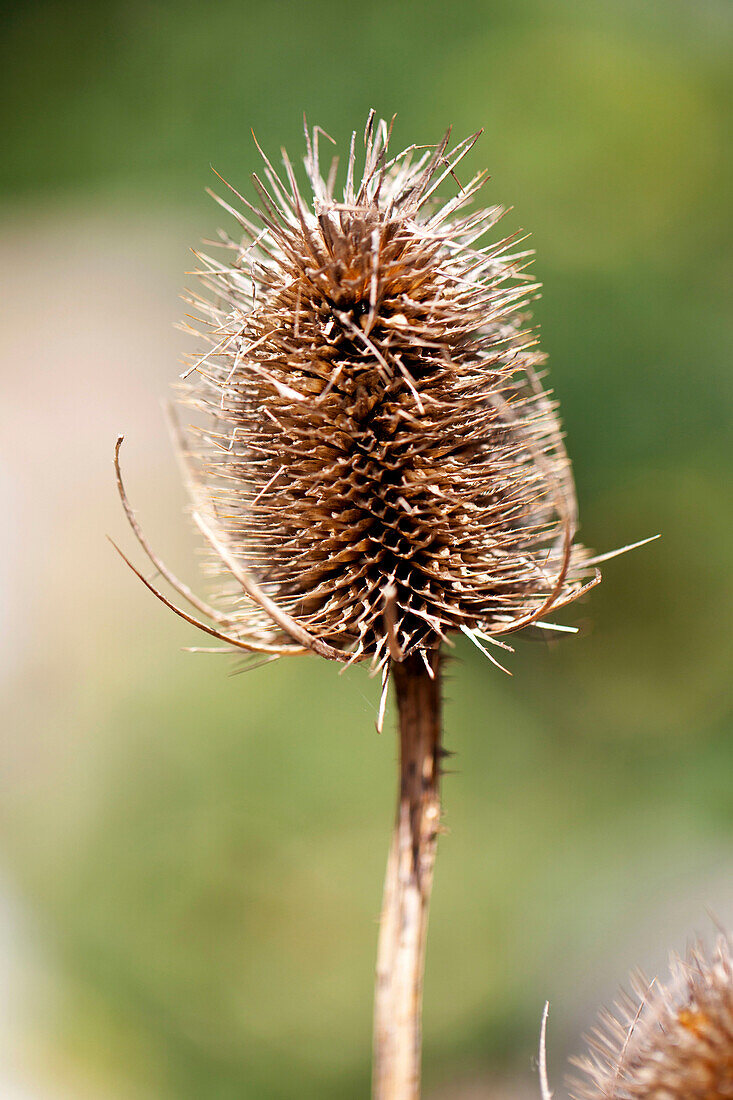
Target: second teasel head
376	465
666	1041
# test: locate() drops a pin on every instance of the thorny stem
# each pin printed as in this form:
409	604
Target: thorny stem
408	881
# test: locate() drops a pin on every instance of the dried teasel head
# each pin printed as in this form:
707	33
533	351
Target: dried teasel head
378	466
667	1042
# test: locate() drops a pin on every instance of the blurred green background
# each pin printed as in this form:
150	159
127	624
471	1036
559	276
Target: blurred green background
191	863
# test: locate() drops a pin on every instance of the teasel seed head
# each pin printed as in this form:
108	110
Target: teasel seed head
667	1042
378	466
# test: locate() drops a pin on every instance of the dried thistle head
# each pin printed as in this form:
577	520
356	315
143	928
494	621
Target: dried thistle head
667	1042
379	466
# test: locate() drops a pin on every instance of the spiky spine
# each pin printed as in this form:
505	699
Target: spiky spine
667	1042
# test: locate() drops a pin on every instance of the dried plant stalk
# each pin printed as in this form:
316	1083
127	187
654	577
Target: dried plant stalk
376	468
408	882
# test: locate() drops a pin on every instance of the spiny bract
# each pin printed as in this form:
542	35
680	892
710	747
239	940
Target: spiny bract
671	1042
379	466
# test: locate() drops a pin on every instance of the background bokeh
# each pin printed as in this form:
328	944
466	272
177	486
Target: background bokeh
190	862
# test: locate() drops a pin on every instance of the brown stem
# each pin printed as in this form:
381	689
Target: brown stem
409	878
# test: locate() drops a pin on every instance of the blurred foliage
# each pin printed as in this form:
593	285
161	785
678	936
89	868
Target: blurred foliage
206	861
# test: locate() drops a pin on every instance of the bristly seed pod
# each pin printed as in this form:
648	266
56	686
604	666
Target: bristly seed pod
672	1042
376	467
379	467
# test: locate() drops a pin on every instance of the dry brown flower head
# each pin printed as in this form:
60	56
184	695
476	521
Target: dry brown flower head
378	465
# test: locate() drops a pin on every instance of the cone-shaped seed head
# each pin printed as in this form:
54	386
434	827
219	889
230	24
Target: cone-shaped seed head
671	1042
378	453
